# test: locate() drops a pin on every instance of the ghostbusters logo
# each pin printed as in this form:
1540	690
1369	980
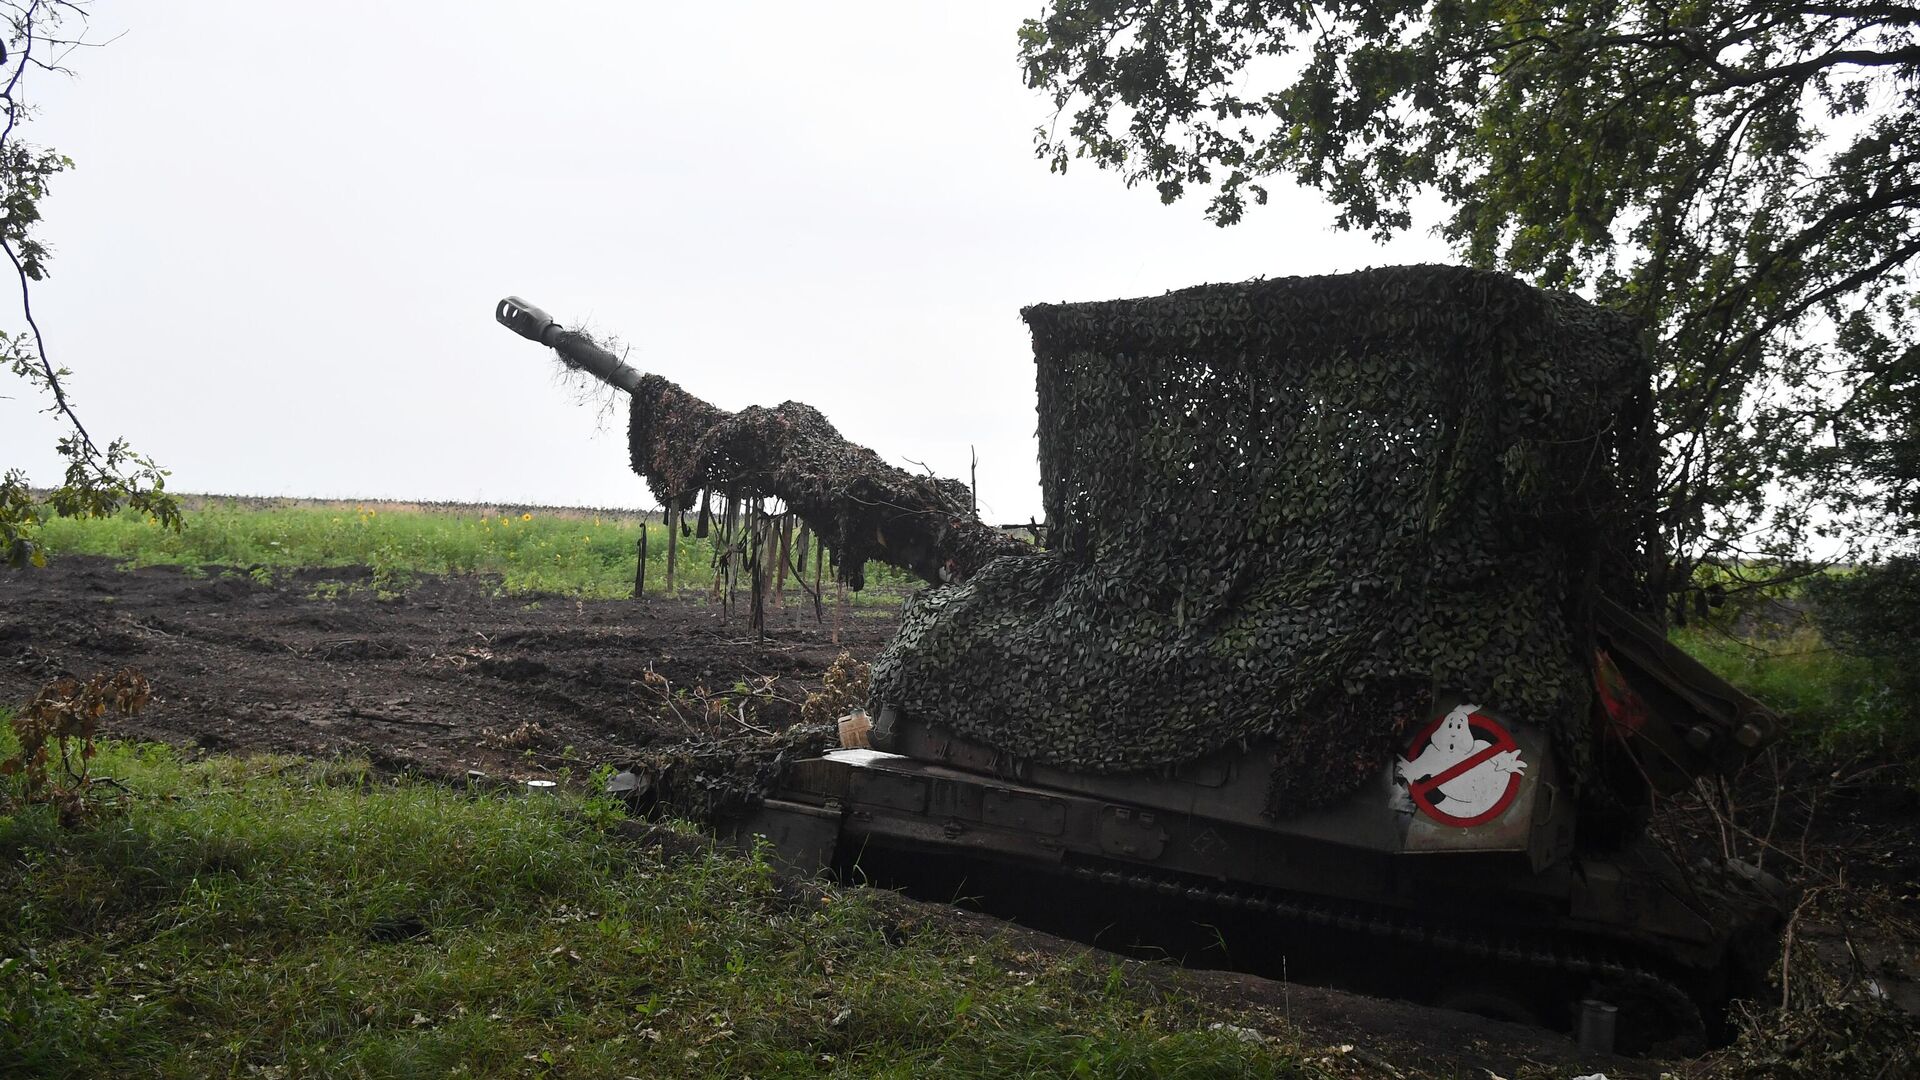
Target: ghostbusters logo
1463	770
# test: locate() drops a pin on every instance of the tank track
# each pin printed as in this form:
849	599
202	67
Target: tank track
1658	995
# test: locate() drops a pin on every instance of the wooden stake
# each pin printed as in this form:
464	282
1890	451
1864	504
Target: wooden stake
780	570
756	567
734	547
673	543
819	601
722	555
973	479
640	568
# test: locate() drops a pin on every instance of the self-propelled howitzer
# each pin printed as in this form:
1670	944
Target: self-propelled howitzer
1340	621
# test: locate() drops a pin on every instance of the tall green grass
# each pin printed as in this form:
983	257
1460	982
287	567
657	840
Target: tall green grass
1832	701
587	555
277	918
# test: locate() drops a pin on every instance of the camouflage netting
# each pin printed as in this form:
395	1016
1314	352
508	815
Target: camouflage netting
860	506
1283	510
717	779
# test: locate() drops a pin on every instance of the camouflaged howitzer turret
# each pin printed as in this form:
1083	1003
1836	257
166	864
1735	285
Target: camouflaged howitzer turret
1341	618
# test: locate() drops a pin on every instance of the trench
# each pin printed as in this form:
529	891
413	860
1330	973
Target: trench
1191	934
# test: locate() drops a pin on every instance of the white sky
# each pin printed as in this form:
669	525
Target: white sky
276	262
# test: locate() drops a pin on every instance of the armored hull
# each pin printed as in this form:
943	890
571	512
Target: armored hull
1487	901
1469	860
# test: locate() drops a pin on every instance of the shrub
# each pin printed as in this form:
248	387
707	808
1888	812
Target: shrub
1872	614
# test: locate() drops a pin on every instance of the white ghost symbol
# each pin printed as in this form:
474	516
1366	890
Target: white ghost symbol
1473	792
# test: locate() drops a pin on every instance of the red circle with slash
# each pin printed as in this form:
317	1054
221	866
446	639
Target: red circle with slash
1500	740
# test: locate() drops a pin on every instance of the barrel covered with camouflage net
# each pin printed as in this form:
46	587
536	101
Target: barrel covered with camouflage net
1284	510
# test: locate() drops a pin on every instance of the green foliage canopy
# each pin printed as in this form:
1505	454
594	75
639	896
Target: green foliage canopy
1740	174
1870	613
98	481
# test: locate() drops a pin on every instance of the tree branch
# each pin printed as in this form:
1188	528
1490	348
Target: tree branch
1790	72
21	58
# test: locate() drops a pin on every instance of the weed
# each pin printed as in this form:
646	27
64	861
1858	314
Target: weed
329	590
844	689
57	726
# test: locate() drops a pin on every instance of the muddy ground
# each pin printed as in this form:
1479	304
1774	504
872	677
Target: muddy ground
454	678
449	677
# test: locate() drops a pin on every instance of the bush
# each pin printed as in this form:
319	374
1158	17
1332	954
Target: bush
1872	614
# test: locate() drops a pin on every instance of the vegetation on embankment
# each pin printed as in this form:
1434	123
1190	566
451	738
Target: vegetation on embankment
1832	701
275	917
587	554
1835	653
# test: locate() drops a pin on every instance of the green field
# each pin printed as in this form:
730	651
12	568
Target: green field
575	553
272	917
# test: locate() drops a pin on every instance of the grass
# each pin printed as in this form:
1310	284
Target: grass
589	555
1832	701
251	918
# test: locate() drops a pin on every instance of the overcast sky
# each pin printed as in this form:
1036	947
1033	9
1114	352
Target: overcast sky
276	261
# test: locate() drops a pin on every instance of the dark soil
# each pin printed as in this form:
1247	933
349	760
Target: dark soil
454	678
448	678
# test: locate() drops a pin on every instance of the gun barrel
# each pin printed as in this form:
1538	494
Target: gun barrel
860	506
575	348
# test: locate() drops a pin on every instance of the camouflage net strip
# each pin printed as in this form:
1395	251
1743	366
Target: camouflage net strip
717	780
861	507
1282	510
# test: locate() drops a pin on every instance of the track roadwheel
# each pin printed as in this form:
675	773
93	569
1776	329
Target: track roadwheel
1656	1017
